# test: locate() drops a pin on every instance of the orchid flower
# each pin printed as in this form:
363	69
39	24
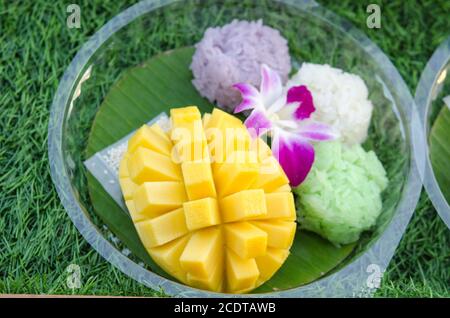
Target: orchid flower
286	117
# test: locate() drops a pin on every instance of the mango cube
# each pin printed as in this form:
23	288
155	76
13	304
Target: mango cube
283	188
162	229
147	165
280	205
238	173
222	164
152	138
245	239
271	176
190	142
261	148
203	250
134	216
229	141
123	167
241	273
198	179
201	213
155	198
168	257
237	139
219	125
184	116
160	132
269	263
205	120
213	282
128	187
243	205
280	234
222	120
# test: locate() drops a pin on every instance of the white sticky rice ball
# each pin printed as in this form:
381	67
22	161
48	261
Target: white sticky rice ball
340	98
233	54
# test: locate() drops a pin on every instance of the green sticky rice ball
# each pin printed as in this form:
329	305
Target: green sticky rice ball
341	197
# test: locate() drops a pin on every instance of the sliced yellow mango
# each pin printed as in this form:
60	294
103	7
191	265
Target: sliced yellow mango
280	205
155	198
280	234
243	205
234	140
236	174
283	188
245	239
213	282
237	139
147	165
261	148
128	187
190	142
201	213
269	263
222	163
168	255
198	179
188	134
162	229
222	120
123	166
205	120
200	256
134	216
241	273
183	116
151	138
271	176
160	132
222	220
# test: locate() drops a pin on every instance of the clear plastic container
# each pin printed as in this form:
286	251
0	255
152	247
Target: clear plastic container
318	36
434	85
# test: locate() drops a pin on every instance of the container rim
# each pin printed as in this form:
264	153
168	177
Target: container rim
350	281
425	91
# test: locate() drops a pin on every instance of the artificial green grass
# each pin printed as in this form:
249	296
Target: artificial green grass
38	240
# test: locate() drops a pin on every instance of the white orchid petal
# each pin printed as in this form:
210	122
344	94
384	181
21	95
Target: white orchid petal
271	86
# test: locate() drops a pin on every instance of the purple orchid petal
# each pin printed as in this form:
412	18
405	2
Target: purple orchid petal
257	123
250	97
301	95
316	132
295	155
271	85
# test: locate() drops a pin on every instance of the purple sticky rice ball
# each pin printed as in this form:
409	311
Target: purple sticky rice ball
233	54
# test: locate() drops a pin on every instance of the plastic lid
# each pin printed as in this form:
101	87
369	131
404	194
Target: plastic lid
429	95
